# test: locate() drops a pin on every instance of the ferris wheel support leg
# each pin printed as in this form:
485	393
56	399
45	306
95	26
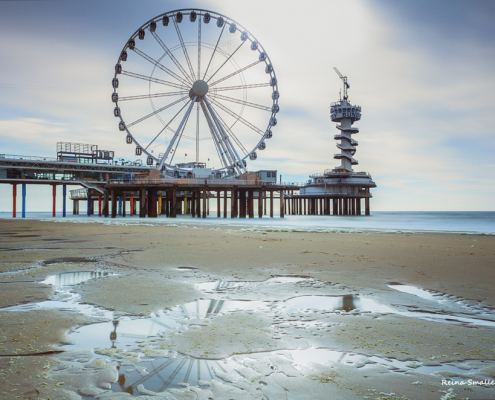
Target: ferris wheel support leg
176	135
238	162
215	136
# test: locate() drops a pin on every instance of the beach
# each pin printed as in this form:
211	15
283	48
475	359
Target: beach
289	314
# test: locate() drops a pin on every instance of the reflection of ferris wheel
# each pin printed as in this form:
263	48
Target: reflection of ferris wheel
211	87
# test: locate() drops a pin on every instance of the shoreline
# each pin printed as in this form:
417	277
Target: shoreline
256	224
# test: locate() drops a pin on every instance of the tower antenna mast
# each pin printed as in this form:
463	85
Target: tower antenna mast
344	80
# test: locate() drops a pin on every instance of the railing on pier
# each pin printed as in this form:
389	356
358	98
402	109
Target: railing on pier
199	181
78	194
121	161
27	158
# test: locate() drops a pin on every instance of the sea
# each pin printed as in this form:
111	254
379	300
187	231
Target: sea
464	222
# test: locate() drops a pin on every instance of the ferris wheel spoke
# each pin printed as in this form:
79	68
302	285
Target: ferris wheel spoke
172	57
257	85
225	62
184	48
177	132
197	131
166	126
161	66
156	112
239	165
232	135
179	138
199	49
238	117
214	135
235	73
151	79
245	103
149	96
214	50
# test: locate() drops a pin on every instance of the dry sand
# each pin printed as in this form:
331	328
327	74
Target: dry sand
150	261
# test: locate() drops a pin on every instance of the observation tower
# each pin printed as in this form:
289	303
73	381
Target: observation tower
342	184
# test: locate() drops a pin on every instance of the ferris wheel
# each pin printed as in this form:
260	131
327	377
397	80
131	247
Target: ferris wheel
193	88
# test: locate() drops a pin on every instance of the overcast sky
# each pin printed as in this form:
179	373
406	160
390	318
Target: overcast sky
422	71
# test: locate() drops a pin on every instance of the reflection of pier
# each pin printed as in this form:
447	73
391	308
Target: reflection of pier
74	278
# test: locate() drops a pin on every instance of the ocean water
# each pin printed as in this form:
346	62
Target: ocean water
469	222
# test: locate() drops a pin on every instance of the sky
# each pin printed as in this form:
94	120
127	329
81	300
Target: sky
422	71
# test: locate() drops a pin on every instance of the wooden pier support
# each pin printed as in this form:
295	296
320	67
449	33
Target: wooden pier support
219	195
282	208
173	203
114	203
367	206
242	203
260	203
142	203
105	203
204	202
271	203
124	201
99	206
233	203
225	204
152	202
251	202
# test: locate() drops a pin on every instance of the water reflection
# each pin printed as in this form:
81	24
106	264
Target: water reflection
166	373
218	286
74	278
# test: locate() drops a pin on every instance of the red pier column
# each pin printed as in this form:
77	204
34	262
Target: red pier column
99	205
54	196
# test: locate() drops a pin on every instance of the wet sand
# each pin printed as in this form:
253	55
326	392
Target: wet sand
158	268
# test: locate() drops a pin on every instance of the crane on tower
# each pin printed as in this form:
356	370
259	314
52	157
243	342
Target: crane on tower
344	79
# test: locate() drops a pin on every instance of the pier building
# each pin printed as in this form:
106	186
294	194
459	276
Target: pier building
337	191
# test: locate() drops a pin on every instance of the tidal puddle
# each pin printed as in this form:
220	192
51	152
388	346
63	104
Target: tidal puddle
345	303
177	371
146	360
221	285
64	298
485	315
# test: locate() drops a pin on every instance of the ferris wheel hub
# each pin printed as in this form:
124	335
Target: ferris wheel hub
200	88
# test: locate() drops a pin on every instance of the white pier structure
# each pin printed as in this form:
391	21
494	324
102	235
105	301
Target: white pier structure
342	184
